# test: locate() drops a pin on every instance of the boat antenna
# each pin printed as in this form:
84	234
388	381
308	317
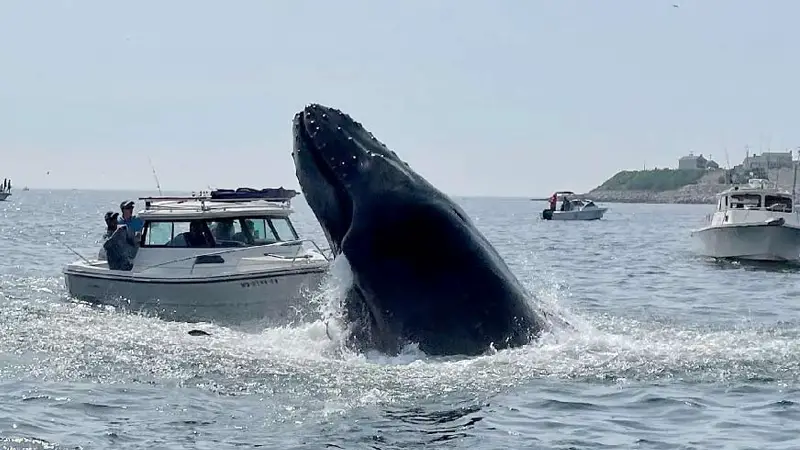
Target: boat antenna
728	174
155	175
794	180
68	247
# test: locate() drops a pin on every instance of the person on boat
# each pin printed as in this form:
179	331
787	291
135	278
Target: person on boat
111	227
224	230
248	235
134	223
553	201
198	235
112	222
120	249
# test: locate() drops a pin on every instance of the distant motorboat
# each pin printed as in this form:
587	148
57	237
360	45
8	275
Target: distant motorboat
573	207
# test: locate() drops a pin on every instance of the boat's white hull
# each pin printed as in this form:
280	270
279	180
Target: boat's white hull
4	195
583	214
757	242
274	297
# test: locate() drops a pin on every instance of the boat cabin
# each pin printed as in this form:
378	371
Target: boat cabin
754	202
244	229
755	196
248	222
572	202
237	219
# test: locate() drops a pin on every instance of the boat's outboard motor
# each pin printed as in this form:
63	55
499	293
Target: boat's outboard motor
120	249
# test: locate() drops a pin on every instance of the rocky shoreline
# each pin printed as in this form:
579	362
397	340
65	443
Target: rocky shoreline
674	197
693	194
703	192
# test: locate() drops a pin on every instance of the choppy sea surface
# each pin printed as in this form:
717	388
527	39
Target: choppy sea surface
670	351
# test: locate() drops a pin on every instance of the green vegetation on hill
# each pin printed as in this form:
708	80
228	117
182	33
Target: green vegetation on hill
657	180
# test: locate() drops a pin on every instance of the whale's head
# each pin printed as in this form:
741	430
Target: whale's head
340	165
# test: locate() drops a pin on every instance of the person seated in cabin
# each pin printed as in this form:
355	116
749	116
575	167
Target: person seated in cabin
248	235
224	230
111	227
133	222
199	235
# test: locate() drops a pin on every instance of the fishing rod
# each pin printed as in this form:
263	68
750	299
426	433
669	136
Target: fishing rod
68	247
158	184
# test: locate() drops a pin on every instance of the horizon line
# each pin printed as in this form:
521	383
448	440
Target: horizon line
300	192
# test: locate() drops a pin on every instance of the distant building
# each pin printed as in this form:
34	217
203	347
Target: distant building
692	162
768	160
711	164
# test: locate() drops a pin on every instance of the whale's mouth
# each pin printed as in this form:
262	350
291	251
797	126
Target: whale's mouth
333	202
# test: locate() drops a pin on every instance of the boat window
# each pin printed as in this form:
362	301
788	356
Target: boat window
260	231
778	203
745	201
179	231
177	234
226	231
158	233
284	229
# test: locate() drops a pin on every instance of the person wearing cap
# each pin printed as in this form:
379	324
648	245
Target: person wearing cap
111	219
111	227
127	218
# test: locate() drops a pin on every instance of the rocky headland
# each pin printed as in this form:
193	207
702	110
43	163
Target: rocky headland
674	186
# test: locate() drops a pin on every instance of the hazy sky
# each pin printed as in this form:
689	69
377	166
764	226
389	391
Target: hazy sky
481	97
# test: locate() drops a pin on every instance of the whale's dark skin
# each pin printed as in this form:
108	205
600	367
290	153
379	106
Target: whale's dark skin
422	272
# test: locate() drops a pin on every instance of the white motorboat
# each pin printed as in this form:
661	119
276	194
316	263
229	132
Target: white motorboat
573	207
754	221
226	257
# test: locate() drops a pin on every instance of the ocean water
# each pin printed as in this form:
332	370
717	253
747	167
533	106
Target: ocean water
670	351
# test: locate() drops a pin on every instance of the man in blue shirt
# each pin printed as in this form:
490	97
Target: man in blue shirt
127	218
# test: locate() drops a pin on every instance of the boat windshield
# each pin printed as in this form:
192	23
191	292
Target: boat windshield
780	203
216	233
745	201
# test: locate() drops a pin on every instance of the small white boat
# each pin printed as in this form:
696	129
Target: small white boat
755	221
573	207
227	257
